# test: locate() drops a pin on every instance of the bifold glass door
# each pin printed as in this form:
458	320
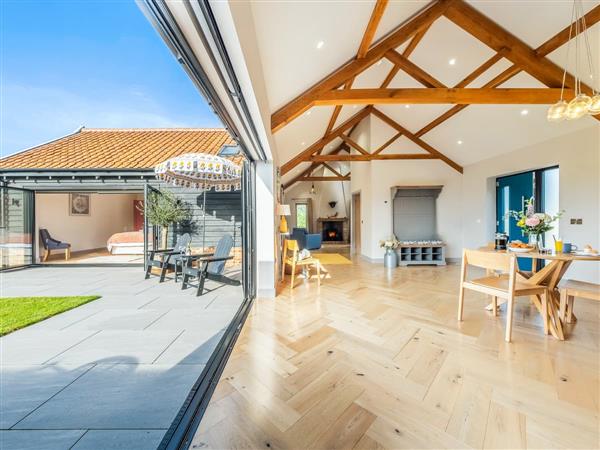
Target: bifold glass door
16	227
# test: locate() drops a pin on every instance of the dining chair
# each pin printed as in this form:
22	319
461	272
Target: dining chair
291	245
505	285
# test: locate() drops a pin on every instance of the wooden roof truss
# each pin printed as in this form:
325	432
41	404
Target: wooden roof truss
505	44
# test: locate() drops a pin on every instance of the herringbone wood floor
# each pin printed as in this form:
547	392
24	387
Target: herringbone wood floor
372	361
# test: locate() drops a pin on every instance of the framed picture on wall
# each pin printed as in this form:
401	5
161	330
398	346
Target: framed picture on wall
79	204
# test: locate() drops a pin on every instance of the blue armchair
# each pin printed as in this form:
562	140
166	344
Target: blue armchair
306	240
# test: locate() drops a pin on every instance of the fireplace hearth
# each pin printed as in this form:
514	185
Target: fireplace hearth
334	229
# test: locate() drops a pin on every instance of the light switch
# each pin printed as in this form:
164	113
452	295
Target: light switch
573	221
579	221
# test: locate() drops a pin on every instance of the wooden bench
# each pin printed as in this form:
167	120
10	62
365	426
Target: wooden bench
571	289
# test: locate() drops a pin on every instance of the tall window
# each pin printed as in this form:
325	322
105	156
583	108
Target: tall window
549	199
302	215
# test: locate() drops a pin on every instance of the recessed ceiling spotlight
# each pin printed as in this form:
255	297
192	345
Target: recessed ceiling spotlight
459	142
302	143
407	106
452	61
379	62
355	106
308	112
524	112
320	45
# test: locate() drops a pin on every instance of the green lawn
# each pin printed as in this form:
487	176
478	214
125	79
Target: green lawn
19	312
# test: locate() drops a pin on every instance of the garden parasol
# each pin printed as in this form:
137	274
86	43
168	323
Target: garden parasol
201	171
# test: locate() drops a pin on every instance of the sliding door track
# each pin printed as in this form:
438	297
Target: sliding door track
183	428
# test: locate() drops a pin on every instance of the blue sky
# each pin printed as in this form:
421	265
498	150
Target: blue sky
94	63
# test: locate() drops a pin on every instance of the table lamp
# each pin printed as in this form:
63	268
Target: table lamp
282	211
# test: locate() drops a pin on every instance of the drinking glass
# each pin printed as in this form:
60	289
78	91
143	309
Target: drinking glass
558	245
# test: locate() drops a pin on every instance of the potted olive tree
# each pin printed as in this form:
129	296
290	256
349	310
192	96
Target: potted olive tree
163	208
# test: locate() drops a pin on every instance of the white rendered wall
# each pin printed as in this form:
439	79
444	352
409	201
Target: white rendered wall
109	214
265	229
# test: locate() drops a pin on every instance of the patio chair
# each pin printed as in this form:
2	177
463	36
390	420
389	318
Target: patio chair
168	257
209	266
49	244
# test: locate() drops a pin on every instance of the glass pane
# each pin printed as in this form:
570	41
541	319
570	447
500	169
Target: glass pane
16	228
550	188
302	215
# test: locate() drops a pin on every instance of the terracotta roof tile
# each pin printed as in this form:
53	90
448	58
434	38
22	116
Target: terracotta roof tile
140	148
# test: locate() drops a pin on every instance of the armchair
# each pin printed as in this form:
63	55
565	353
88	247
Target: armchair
306	240
49	244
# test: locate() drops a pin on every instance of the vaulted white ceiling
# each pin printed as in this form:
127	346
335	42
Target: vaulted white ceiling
287	34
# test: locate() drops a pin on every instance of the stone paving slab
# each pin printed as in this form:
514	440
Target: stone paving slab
122	346
132	396
111	373
120	439
186	350
39	439
37	346
24	388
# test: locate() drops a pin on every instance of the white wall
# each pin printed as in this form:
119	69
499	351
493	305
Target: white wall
265	229
578	158
361	183
375	180
109	214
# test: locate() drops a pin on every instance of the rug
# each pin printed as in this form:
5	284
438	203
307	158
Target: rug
331	258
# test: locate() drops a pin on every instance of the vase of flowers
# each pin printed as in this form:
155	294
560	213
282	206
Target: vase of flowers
390	259
532	224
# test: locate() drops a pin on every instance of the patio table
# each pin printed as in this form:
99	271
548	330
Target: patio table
550	276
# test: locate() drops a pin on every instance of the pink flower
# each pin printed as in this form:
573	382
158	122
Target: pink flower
532	221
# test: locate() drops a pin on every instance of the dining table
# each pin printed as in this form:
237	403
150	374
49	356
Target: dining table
550	276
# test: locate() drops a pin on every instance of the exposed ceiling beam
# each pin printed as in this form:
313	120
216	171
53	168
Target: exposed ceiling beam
367	39
302	156
342	147
556	41
311	178
351	69
413	70
387	143
353	144
371	157
421	143
333	170
465	96
371	29
515	50
480	70
412	45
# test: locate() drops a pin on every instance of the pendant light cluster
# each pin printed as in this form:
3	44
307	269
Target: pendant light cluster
582	104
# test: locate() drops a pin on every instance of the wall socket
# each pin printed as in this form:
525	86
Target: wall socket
576	221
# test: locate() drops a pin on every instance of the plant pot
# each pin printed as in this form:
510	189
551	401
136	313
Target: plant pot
390	259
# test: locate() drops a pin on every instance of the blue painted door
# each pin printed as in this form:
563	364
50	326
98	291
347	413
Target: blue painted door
511	194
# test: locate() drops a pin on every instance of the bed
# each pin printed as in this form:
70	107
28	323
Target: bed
126	243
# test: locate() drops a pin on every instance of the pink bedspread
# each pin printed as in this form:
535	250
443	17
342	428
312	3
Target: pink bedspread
127	237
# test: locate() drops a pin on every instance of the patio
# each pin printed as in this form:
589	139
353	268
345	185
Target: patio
112	373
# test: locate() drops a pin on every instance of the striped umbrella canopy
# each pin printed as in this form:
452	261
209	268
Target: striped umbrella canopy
200	171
